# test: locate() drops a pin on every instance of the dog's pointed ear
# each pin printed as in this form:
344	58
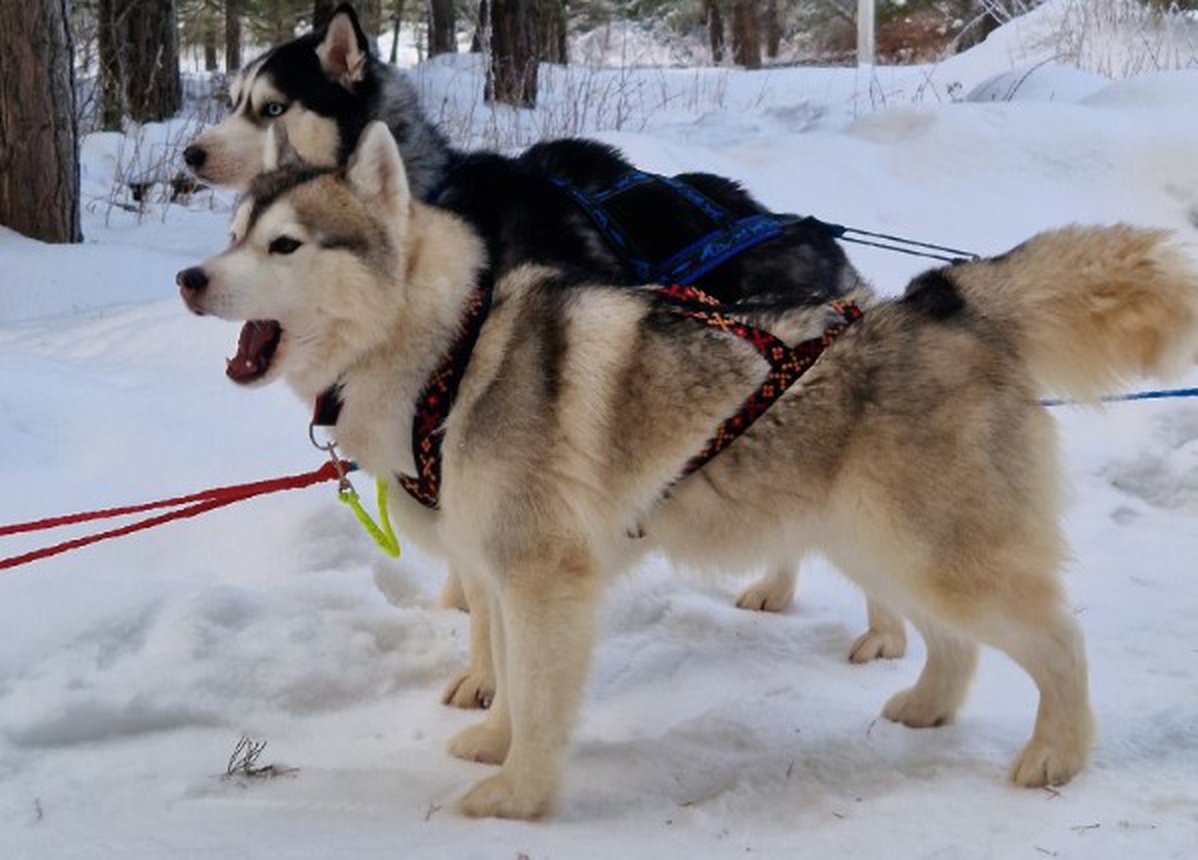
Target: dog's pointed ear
376	169
344	50
277	151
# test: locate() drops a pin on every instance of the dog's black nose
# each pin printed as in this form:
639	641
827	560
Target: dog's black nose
195	156
192	279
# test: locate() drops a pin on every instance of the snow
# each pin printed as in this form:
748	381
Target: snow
129	670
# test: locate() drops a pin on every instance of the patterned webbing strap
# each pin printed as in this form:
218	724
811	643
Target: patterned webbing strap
436	400
787	363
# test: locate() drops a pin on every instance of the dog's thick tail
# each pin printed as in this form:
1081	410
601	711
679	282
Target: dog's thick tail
1090	308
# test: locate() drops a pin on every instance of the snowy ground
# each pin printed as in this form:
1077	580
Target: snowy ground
129	670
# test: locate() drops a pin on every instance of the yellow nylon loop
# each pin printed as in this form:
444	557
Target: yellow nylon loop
382	534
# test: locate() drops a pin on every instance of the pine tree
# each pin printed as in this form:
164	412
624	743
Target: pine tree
442	28
153	88
746	33
110	79
39	150
715	29
552	32
512	74
232	35
773	29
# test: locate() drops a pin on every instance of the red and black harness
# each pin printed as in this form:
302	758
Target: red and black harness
711	237
787	363
787	366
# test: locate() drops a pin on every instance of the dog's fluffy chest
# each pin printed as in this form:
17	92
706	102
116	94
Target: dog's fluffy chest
374	427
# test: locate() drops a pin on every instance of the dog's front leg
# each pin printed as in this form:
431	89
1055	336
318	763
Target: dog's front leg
453	593
886	637
549	616
488	741
774	592
475	687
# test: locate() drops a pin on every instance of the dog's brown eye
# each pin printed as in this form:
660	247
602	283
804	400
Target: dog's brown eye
273	109
283	245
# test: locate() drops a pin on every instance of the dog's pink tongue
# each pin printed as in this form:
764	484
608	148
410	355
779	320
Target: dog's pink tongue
255	348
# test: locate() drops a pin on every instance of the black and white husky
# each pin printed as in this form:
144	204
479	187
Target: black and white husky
323	88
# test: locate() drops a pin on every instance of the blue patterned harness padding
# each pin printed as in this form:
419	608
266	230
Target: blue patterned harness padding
723	236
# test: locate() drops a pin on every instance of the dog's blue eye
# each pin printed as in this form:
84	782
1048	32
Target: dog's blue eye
273	109
283	245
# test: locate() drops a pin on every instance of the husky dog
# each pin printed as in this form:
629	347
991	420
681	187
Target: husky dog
322	88
915	453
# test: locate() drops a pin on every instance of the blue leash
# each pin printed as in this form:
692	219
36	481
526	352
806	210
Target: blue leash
1159	394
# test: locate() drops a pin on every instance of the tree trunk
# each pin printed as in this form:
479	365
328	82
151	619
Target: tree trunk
370	16
715	30
481	28
39	149
397	17
322	11
232	35
552	35
512	73
746	34
277	19
110	81
152	82
773	29
442	28
210	59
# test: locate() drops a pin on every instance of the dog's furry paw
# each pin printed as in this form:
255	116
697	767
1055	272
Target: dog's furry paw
470	690
878	645
918	712
765	595
1040	763
482	742
499	796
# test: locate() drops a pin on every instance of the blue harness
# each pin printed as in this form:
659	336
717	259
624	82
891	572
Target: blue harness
715	235
709	235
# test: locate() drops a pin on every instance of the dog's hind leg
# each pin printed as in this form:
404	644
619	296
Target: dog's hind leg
1009	599
886	637
549	622
773	592
475	687
1048	644
943	683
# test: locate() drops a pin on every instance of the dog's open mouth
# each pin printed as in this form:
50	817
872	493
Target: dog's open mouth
256	348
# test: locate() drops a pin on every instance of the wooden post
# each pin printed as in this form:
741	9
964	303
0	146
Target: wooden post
865	32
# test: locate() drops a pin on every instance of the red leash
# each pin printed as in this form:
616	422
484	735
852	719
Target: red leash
188	506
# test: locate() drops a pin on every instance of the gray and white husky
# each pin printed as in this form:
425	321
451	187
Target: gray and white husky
321	90
915	453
